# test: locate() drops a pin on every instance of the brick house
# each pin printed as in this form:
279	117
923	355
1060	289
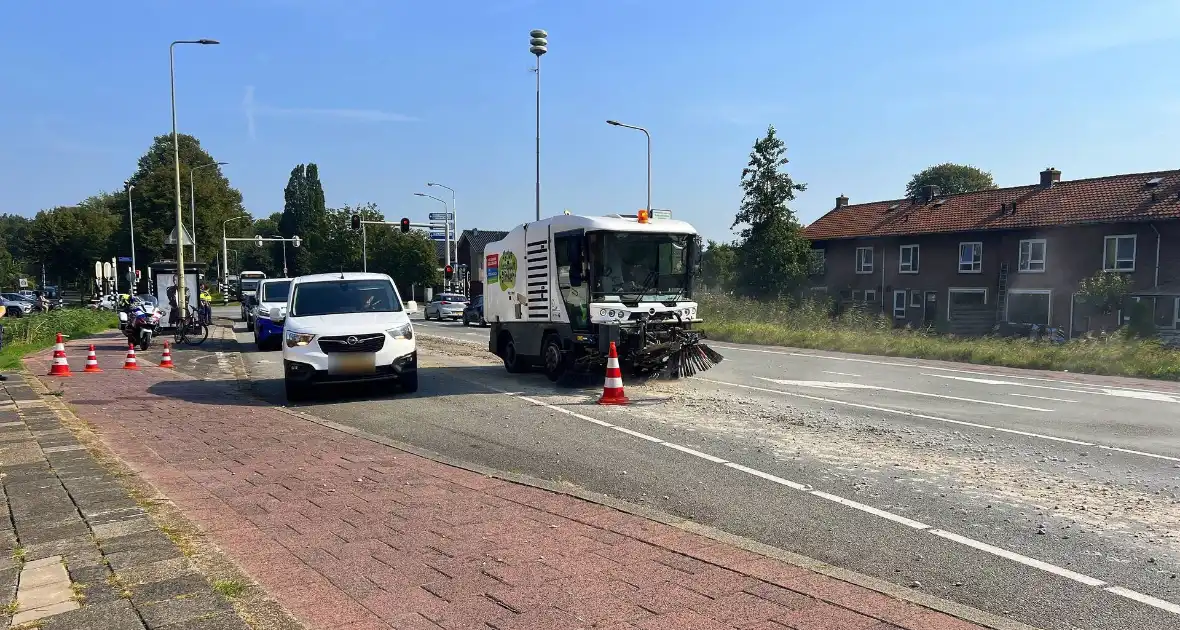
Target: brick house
964	263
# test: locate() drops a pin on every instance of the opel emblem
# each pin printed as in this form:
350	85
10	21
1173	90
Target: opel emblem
352	341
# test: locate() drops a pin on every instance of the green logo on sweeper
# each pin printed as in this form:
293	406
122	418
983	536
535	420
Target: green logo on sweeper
507	271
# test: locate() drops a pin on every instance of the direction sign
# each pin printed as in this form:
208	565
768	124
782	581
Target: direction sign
124	259
438	237
442	216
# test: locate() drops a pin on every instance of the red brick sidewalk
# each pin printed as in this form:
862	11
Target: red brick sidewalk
347	533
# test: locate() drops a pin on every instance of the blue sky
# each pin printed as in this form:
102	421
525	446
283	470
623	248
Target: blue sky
387	95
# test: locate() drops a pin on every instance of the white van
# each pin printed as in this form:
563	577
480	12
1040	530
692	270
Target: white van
345	328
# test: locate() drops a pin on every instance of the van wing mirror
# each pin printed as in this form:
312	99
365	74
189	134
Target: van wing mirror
276	314
695	254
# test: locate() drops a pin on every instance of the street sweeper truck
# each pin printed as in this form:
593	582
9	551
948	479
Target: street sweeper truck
558	291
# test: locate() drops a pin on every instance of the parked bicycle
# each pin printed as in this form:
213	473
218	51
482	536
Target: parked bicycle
193	330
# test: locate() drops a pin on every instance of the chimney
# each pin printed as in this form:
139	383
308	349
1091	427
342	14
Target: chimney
929	192
841	201
1049	177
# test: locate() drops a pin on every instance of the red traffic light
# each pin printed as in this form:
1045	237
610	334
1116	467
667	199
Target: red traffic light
356	221
450	270
405	225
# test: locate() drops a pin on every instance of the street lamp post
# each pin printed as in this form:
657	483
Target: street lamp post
180	281
446	243
284	240
538	45
619	124
452	231
192	199
131	229
225	257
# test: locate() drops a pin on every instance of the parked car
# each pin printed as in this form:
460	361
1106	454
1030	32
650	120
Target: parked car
268	333
15	305
445	305
345	328
474	312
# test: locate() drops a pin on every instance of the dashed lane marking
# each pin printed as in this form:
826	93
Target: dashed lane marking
829	385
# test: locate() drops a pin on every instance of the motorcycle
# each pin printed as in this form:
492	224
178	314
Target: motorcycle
140	323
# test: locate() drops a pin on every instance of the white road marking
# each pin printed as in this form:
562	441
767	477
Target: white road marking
898	391
889	516
843	374
1141	395
964	423
1074	390
1022	559
1042	398
870	510
926	367
1144	599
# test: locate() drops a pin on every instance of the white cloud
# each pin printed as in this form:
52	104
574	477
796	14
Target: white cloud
253	109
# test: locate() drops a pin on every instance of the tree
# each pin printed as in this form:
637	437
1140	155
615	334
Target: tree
247	256
154	198
341	249
410	259
951	179
304	215
1105	292
772	254
69	239
719	266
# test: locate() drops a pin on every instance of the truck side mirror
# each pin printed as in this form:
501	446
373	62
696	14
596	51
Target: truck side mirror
695	254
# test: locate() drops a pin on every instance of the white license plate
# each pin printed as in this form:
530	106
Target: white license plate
352	363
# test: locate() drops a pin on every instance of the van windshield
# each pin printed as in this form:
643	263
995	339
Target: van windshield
334	297
276	291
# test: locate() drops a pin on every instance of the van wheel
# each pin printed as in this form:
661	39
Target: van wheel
556	361
512	361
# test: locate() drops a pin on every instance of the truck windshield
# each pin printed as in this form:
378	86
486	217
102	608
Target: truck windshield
344	296
633	267
250	285
276	291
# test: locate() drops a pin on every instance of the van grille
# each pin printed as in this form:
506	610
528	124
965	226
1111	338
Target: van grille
361	343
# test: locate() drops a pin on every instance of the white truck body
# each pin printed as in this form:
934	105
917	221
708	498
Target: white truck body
580	282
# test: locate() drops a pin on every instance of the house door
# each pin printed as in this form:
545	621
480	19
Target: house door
930	308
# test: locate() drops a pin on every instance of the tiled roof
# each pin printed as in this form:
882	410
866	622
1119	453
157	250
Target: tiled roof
478	239
1113	199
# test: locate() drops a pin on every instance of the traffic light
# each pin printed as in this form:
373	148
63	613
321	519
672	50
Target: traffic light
449	271
406	227
356	221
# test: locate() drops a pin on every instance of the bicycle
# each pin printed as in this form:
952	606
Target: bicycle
192	330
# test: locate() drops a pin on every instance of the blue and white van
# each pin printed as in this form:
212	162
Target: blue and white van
272	293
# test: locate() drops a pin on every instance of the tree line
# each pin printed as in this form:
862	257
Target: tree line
65	241
771	258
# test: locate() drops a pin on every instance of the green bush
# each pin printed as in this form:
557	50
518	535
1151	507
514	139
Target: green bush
810	325
38	331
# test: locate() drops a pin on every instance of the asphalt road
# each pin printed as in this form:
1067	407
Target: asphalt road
1049	498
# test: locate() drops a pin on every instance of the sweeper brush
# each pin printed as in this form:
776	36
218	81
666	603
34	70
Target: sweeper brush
690	359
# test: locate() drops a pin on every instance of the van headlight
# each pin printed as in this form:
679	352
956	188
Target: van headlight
298	339
405	331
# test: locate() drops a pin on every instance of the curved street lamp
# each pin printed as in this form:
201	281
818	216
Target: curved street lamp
446	245
180	283
619	124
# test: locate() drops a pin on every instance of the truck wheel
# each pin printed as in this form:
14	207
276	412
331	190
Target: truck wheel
555	360
512	361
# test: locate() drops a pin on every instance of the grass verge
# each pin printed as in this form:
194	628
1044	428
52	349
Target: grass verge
31	333
810	326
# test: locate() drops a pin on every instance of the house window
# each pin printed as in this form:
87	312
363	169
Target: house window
1118	253
970	257
909	259
864	260
817	262
870	296
1029	306
899	303
1032	255
965	298
915	298
857	296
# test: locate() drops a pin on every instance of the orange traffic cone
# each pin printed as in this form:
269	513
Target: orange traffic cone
130	363
166	359
60	367
92	361
612	390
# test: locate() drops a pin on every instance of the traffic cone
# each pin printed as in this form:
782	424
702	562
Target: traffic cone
130	363
92	361
166	360
612	390
60	367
